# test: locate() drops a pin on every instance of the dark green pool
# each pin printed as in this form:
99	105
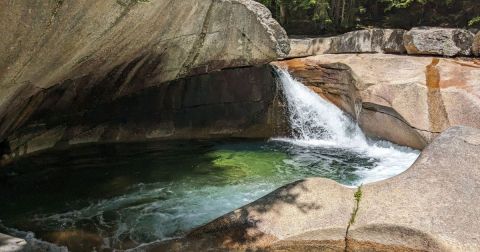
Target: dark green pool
122	195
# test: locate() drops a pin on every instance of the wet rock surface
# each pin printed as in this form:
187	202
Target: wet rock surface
9	243
404	213
404	99
13	244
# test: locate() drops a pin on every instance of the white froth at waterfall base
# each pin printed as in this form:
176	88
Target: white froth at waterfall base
317	123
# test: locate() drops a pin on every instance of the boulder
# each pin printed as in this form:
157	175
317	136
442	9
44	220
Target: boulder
433	206
9	243
476	45
404	99
438	41
362	41
301	47
407	209
369	41
122	47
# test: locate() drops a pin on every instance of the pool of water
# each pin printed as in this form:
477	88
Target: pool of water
123	195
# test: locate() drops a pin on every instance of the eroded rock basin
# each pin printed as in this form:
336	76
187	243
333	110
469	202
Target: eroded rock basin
433	206
122	195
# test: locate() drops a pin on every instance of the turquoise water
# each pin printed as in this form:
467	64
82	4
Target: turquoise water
122	195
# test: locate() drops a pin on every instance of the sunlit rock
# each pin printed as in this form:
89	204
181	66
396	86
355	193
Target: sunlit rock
438	41
362	41
405	99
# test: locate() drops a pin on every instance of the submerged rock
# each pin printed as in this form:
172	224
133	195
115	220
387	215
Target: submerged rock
404	99
433	206
438	41
10	244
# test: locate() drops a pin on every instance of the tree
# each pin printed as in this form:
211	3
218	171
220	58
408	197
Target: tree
282	8
336	16
339	13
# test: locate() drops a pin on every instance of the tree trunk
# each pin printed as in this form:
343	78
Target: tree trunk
321	15
336	12
283	13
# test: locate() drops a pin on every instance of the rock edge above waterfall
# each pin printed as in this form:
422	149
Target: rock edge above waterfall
448	42
433	206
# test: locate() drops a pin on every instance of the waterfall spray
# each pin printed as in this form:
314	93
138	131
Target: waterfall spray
314	119
318	123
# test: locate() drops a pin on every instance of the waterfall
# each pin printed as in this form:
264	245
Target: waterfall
316	122
314	119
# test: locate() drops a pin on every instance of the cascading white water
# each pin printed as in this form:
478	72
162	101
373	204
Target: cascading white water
316	122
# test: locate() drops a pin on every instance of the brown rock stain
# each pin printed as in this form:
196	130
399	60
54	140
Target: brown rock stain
437	114
409	45
290	64
457	73
433	75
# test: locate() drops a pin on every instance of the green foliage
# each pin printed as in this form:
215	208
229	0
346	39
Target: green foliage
402	4
474	21
397	4
336	16
295	5
358	197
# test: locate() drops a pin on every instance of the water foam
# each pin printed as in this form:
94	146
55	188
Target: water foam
316	122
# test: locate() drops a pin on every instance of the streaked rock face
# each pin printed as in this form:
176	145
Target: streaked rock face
417	41
120	48
438	41
363	41
476	45
405	99
237	102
